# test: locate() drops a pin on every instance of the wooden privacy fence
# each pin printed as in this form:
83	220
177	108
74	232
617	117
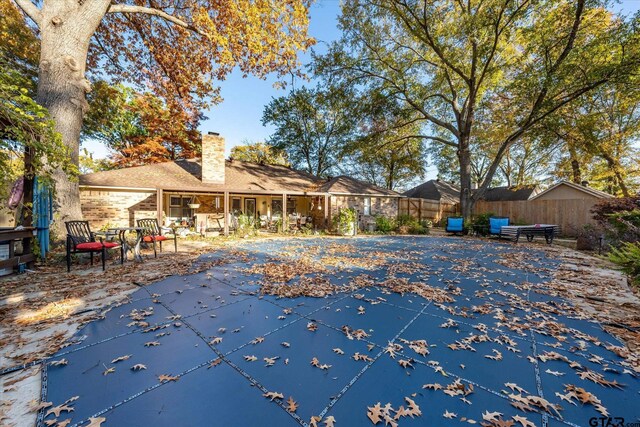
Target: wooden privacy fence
571	214
423	209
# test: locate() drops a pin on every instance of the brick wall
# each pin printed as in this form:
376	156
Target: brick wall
116	208
213	159
385	206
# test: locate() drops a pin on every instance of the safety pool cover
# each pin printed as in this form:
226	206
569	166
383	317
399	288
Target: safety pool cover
346	332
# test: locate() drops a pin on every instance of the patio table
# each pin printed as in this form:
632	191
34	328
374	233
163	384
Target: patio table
515	231
121	231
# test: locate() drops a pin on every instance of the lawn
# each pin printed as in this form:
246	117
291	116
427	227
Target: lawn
355	332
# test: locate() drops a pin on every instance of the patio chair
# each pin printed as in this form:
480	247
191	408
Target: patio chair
80	239
152	233
455	225
496	223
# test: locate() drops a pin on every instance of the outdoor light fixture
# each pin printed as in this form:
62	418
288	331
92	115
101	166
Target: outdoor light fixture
195	203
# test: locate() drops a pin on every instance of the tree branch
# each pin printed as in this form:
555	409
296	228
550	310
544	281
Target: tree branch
125	8
31	10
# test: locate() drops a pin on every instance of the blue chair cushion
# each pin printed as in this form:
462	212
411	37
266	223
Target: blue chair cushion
496	223
455	224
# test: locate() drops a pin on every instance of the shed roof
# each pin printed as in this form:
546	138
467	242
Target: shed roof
591	191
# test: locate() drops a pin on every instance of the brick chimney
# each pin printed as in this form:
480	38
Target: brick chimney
212	158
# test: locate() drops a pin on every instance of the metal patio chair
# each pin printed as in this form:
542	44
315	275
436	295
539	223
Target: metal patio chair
80	239
152	233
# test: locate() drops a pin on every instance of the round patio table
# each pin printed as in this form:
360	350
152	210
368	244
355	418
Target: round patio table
137	255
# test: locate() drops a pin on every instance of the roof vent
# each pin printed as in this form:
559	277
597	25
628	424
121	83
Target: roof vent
585	183
213	133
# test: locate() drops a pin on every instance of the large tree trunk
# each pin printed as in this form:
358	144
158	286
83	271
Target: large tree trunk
466	202
66	29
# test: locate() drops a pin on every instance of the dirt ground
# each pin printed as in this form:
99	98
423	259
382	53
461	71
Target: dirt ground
40	311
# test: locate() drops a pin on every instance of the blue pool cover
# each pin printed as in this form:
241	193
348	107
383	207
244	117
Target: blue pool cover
402	331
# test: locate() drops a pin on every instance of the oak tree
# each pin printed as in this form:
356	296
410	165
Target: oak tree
173	48
448	60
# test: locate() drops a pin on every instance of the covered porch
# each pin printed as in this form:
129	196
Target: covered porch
210	212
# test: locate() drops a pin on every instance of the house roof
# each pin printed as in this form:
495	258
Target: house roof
504	194
591	191
435	190
240	177
346	185
186	175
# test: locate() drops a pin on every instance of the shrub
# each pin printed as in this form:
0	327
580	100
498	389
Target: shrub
246	225
385	224
628	257
482	219
345	219
602	210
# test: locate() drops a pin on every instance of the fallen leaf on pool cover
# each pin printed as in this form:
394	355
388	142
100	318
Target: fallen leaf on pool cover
375	413
271	395
491	416
257	340
330	421
285	344
64	423
434	386
338	351
56	410
312	326
109	371
167	378
251	358
555	373
214	363
215	340
515	387
362	357
523	421
498	423
405	363
497	355
61	362
598	378
151	344
270	361
292	405
121	358
96	422
361	310
449	415
313	422
138	367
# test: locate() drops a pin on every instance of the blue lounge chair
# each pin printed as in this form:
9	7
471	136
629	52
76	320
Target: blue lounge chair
496	223
455	225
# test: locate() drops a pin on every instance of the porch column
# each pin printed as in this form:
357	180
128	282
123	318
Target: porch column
159	205
285	217
326	210
226	213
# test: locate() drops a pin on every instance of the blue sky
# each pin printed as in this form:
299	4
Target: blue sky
238	117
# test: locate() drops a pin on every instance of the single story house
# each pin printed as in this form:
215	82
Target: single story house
567	190
203	192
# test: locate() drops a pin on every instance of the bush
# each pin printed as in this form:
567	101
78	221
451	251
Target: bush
619	219
246	226
345	220
482	219
409	225
385	224
628	257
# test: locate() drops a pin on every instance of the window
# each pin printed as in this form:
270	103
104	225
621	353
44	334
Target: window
236	205
367	206
276	207
179	207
